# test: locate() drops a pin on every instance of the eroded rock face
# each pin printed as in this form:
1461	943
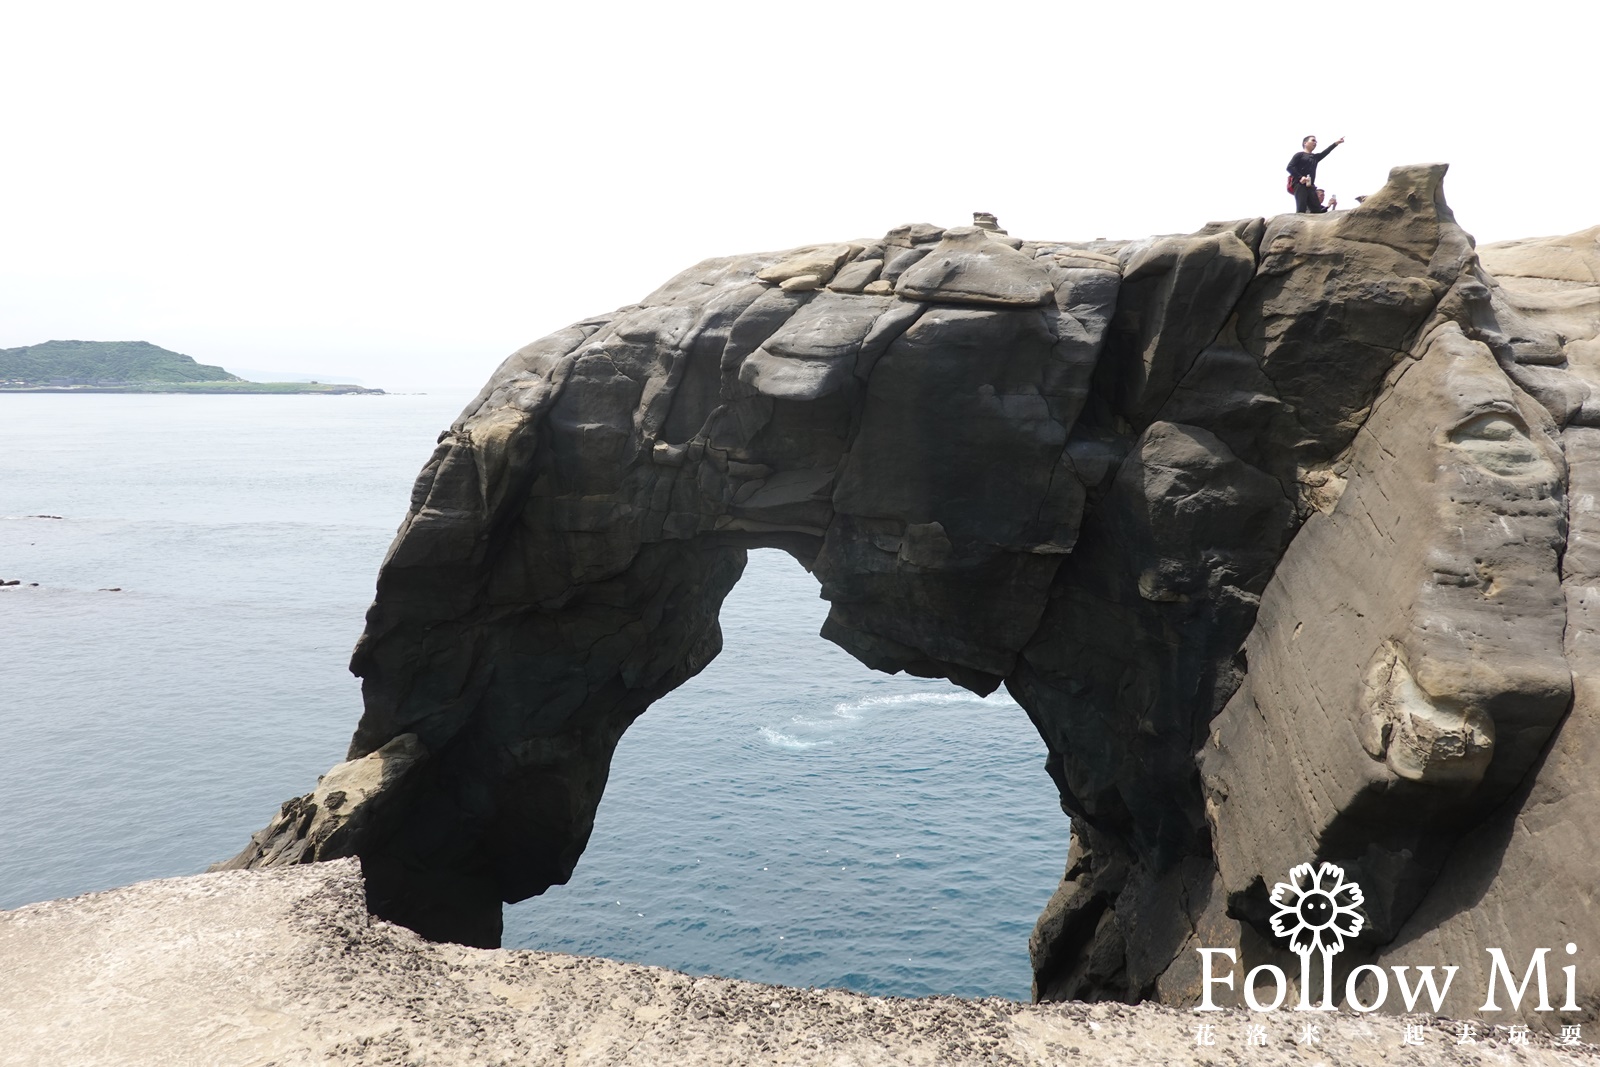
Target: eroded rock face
1280	532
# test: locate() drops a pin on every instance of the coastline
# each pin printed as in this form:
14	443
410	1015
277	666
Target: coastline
209	388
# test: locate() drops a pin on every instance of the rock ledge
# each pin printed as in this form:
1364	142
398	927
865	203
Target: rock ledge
284	966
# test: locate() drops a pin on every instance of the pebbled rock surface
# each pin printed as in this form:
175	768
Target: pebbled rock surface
1282	533
286	967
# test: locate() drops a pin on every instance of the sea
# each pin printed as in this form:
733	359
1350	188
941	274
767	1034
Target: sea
173	665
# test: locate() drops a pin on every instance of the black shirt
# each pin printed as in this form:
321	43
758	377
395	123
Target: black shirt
1304	164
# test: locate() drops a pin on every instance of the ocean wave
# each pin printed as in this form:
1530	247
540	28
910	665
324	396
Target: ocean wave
850	709
779	739
809	731
830	723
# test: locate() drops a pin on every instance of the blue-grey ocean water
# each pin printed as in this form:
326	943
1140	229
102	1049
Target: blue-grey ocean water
788	816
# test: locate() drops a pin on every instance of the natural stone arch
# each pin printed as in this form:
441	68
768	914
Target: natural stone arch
791	816
1071	469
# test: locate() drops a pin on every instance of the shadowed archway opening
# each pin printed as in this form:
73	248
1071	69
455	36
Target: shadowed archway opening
791	816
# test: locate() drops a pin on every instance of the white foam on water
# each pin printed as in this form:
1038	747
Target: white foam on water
851	709
779	739
830	723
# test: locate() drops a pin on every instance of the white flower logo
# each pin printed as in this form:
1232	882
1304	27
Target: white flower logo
1317	909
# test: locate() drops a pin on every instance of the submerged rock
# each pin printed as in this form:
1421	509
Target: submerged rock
1281	532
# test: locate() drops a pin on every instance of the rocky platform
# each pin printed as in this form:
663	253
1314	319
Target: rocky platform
1283	533
286	967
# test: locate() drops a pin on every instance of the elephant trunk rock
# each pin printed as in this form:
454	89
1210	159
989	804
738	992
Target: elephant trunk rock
1271	530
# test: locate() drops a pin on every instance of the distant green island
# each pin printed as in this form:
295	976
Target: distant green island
130	367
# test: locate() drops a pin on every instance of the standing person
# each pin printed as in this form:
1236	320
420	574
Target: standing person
1303	174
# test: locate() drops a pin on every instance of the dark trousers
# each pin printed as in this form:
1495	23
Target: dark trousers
1305	200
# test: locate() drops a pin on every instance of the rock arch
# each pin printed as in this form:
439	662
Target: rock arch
1073	469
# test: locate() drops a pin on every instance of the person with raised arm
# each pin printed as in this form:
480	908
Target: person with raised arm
1303	175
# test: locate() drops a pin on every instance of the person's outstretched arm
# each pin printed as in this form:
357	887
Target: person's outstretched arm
1330	148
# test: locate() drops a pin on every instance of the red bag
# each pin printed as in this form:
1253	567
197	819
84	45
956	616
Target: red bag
1291	185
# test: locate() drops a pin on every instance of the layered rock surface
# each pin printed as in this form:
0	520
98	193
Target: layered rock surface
285	968
1279	532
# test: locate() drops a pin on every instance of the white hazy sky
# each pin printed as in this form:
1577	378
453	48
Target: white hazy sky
404	193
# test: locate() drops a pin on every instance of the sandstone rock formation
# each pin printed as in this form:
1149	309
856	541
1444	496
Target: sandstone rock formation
1282	533
285	968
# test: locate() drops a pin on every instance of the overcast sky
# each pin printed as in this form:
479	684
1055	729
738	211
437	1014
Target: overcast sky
404	193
